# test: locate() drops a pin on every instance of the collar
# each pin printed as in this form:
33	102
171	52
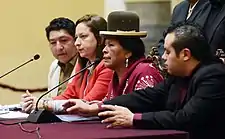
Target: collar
71	62
192	7
91	68
195	69
184	80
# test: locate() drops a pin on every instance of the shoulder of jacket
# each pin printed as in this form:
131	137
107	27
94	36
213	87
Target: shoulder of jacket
182	3
100	66
180	6
54	63
142	66
54	66
217	69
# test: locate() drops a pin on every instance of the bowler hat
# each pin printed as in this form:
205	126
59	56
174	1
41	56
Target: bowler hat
123	23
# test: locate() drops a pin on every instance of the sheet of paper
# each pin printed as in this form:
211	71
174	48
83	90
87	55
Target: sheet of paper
13	115
4	115
12	107
72	118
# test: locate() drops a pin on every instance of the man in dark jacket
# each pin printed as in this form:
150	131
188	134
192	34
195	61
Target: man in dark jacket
210	15
187	10
215	26
191	99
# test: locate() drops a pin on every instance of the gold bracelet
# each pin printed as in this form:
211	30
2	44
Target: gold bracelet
45	104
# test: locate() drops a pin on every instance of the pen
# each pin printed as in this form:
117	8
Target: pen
3	112
15	109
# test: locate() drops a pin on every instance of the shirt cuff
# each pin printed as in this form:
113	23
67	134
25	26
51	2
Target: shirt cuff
136	119
137	116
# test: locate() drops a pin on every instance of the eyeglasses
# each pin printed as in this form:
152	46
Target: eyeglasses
36	130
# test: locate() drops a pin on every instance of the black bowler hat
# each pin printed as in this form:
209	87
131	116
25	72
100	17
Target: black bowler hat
123	23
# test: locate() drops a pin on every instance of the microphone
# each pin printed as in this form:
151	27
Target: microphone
45	116
36	57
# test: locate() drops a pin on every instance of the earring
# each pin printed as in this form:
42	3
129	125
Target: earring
126	62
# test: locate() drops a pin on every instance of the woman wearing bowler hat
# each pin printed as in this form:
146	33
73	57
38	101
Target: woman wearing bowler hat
124	54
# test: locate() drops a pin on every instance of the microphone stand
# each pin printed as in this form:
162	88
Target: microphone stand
45	116
35	58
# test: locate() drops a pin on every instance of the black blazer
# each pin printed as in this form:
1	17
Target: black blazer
180	13
201	112
215	32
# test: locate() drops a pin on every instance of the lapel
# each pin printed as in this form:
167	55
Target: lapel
183	12
200	13
189	92
54	78
190	88
183	91
177	92
216	24
74	70
84	86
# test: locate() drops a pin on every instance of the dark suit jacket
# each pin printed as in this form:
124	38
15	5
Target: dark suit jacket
215	32
201	112
180	13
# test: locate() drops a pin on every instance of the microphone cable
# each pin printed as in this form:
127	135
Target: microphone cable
15	123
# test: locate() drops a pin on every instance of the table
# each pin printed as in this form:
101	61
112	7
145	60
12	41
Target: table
85	130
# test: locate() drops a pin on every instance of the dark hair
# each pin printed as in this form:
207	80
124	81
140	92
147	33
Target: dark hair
133	44
96	24
61	23
190	35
